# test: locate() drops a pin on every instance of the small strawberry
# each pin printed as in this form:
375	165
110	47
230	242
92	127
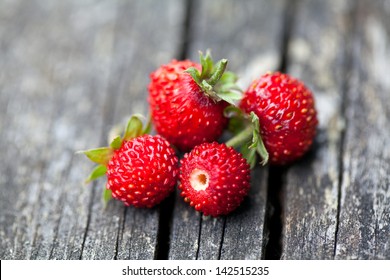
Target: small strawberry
287	115
214	179
187	100
141	170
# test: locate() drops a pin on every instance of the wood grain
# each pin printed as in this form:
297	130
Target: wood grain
317	56
70	70
49	92
364	227
139	48
73	69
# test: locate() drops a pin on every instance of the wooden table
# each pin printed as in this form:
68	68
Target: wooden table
70	70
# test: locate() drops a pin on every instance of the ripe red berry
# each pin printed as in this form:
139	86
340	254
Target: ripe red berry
214	178
286	111
141	169
187	105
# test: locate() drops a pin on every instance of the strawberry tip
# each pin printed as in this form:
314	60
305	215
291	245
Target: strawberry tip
199	180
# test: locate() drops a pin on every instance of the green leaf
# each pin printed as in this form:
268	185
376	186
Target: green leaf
148	127
262	151
97	172
249	155
230	96
217	72
195	75
107	196
256	126
207	65
246	130
115	131
208	89
100	155
230	87
116	143
257	141
133	128
228	78
214	81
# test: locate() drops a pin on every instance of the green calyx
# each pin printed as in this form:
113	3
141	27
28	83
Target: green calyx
247	137
102	155
215	82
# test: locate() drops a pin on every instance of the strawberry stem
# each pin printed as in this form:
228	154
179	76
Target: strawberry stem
249	140
240	139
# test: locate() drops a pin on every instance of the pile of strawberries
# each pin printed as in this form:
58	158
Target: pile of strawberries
191	106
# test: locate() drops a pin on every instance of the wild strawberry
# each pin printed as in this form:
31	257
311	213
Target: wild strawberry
214	179
187	105
286	111
141	170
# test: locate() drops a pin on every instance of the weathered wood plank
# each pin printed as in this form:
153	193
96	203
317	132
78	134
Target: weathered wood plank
364	227
139	47
234	30
317	56
245	232
47	75
69	71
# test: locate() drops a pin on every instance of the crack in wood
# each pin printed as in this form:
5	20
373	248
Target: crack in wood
347	66
199	236
164	228
167	206
274	213
222	238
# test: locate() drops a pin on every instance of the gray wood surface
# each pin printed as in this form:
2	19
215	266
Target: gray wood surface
124	232
47	81
70	70
317	54
364	224
66	69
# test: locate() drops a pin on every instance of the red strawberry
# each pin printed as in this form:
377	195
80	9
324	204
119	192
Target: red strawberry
287	115
187	105
141	170
214	179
